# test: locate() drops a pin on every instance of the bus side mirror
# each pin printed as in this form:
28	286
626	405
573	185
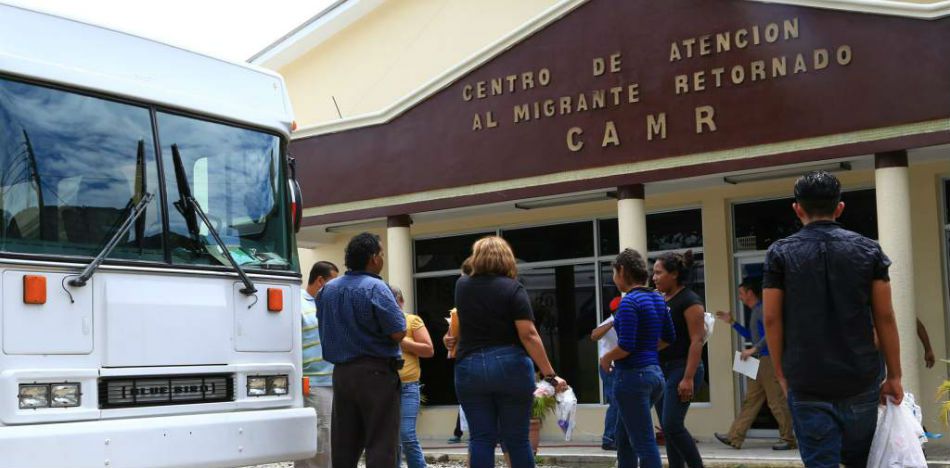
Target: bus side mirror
296	195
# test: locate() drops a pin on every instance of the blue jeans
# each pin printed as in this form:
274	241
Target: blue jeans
610	420
835	431
408	442
495	387
681	450
636	391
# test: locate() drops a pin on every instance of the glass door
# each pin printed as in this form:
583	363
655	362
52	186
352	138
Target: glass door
749	265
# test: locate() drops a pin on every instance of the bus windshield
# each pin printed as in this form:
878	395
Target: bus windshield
73	165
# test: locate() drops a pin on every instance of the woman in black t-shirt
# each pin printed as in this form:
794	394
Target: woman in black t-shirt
494	376
682	360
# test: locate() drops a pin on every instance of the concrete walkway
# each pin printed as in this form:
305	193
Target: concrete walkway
755	453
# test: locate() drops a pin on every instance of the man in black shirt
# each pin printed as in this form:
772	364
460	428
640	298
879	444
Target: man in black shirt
826	292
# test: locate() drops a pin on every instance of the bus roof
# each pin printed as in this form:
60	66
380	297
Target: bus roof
50	48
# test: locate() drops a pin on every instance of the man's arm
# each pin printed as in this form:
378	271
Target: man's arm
886	325
772	313
602	330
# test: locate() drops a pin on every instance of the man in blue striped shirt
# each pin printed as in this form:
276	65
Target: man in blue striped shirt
361	326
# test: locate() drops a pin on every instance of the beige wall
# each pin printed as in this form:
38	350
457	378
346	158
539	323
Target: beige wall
394	50
704	419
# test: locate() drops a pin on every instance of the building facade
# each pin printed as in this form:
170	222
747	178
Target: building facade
577	128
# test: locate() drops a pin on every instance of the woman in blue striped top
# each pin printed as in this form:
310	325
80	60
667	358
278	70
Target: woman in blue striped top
641	322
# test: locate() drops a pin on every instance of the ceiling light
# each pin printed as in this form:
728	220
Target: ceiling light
786	172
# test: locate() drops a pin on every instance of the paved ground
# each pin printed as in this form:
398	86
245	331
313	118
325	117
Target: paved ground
755	453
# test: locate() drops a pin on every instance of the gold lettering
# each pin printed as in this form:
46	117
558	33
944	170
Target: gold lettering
600	66
633	93
656	125
522	113
699	81
755	35
549	108
581	103
820	59
615	62
565	105
511	79
544	77
738	74
598	99
704	117
574	143
843	55
757	71
742	38
527	80
779	66
681	84
717	72
497	86
771	33
467	93
490	121
674	53
537	110
480	90
705	45
791	28
723	42
610	135
688	43
616	91
477	122
799	64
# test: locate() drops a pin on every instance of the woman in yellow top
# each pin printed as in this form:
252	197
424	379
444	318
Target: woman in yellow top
417	344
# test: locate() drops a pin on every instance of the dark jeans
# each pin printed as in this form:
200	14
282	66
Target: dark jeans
611	418
636	391
496	387
833	432
681	450
366	394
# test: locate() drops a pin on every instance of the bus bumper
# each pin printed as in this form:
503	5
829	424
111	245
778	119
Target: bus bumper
203	440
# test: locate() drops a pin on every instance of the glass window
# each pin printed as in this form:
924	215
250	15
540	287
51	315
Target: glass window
665	231
73	167
445	253
758	224
434	298
565	311
235	175
557	242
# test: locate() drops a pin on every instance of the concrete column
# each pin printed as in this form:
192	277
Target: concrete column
892	184
399	257
632	218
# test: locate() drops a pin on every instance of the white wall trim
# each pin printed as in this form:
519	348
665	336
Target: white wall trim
933	10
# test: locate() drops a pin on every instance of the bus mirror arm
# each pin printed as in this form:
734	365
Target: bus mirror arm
87	272
248	288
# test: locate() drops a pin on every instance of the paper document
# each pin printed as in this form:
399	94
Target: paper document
748	368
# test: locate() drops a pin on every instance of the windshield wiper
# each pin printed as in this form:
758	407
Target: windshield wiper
134	214
188	207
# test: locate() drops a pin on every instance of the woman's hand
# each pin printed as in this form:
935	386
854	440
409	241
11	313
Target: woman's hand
685	389
561	385
449	341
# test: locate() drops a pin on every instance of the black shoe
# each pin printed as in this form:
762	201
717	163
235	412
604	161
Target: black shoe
725	439
783	446
611	447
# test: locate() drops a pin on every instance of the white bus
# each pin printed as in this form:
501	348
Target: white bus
149	286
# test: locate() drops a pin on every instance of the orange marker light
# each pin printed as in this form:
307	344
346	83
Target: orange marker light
306	386
34	289
275	300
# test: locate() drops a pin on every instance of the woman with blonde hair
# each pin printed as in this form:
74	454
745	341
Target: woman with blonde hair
494	375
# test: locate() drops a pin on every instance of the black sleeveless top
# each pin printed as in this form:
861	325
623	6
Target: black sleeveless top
679	349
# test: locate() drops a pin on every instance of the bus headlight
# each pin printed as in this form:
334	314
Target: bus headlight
256	386
278	385
64	395
33	396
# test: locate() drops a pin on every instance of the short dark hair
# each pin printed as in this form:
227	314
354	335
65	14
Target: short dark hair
360	249
634	266
321	269
752	284
679	263
818	193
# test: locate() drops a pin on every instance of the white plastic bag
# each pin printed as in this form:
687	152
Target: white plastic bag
897	439
566	411
709	324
